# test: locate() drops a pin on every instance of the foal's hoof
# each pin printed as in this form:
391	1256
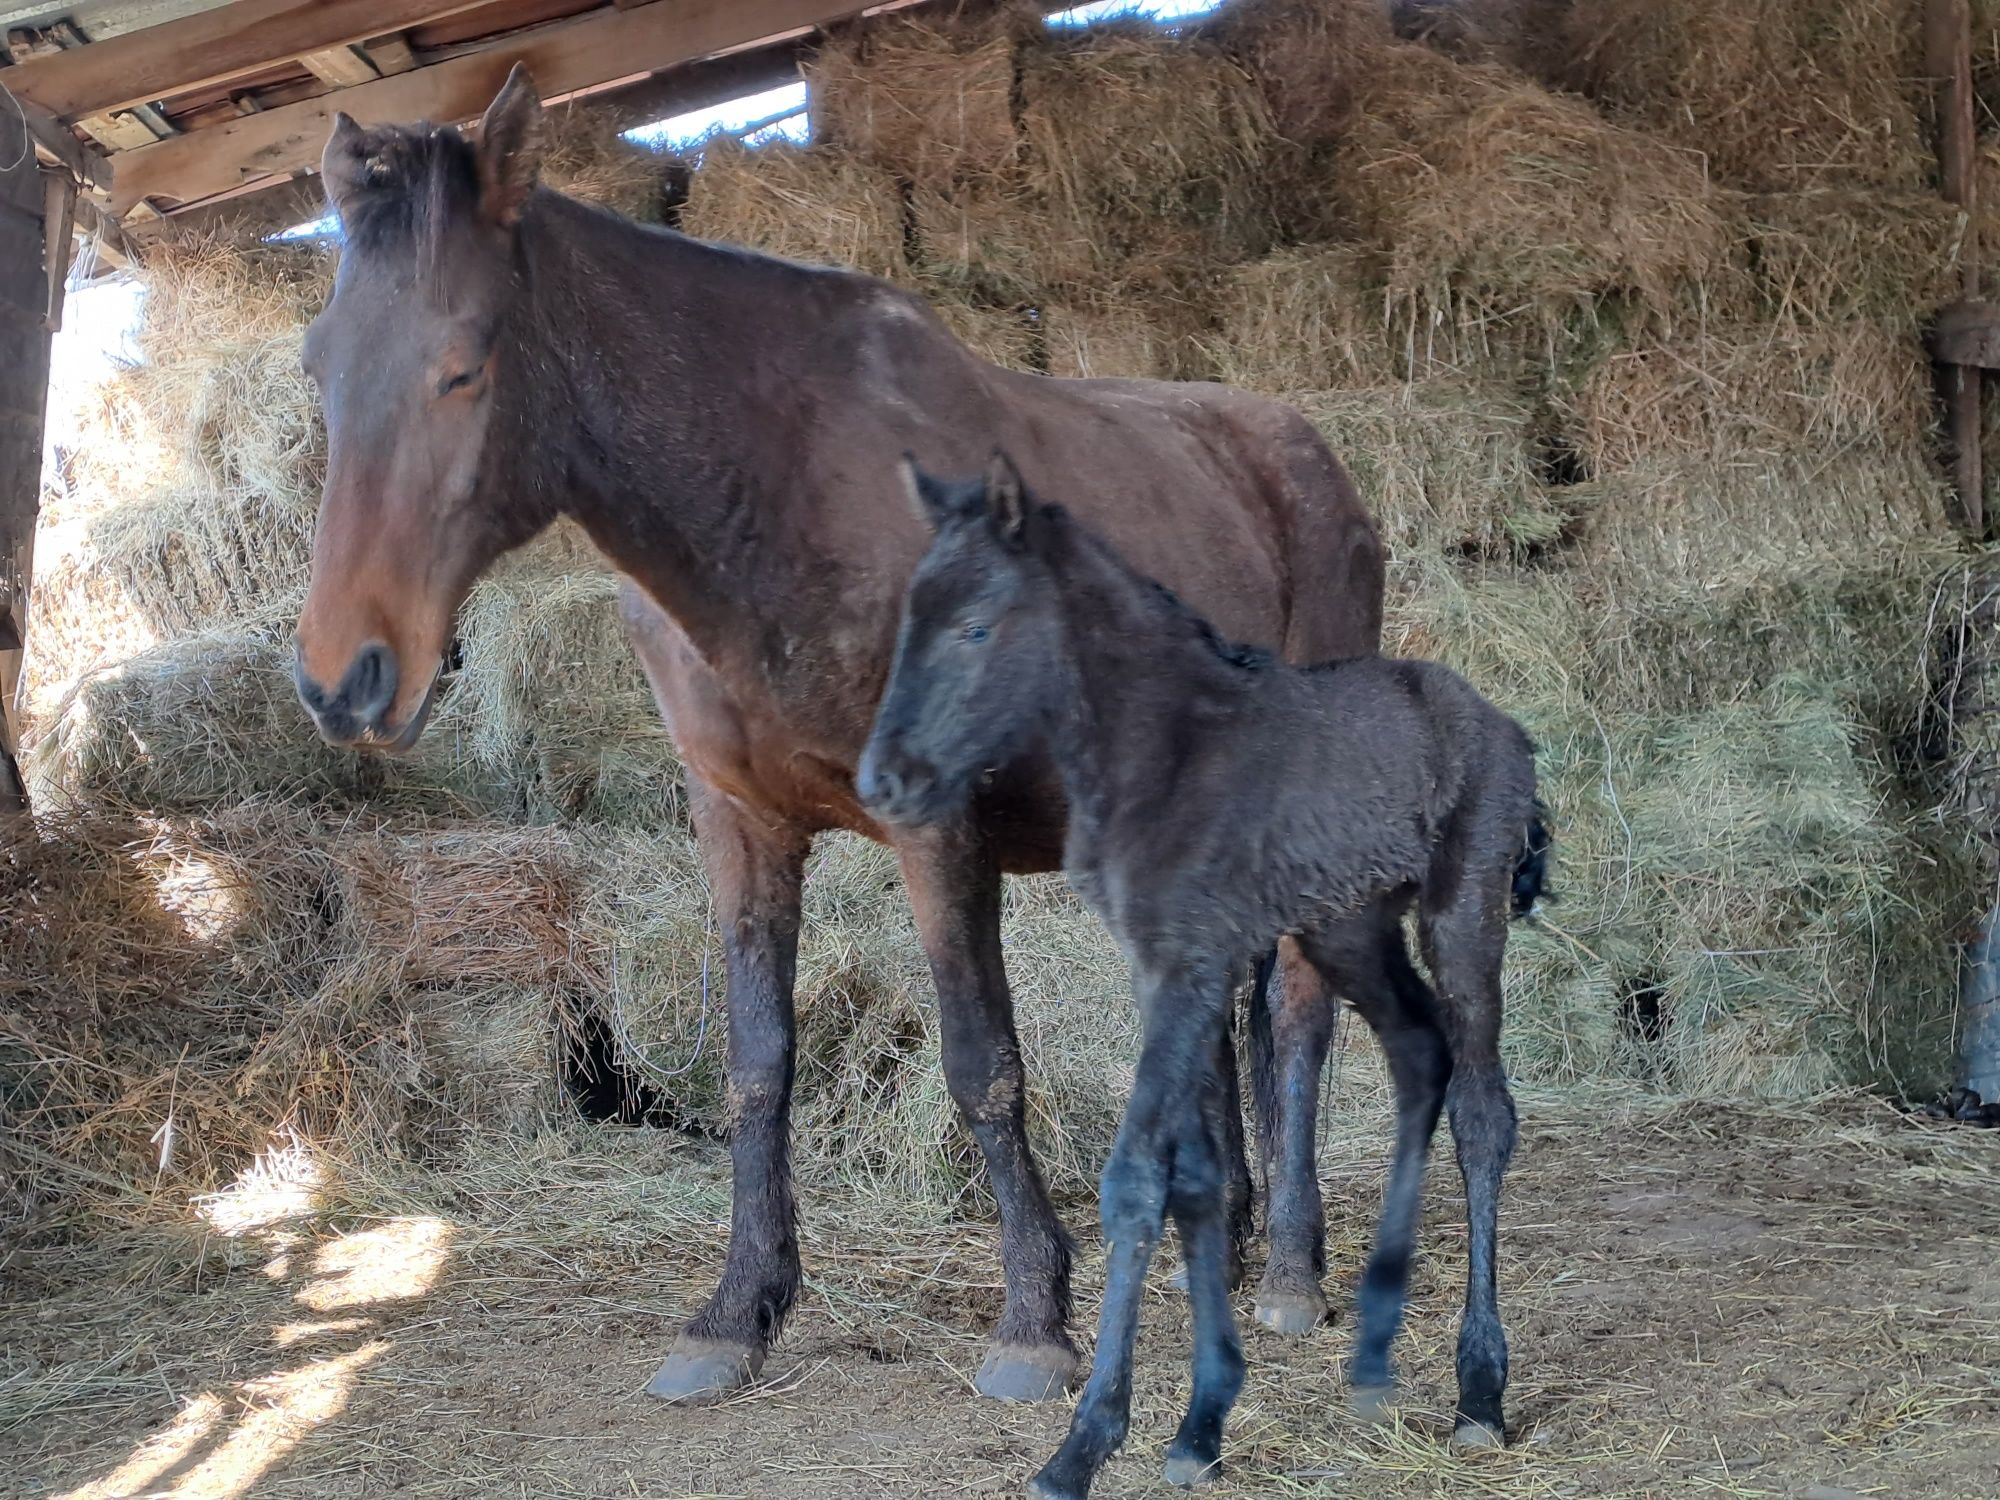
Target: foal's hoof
1185	1470
1291	1313
1027	1372
1177	1282
703	1370
1474	1434
1373	1403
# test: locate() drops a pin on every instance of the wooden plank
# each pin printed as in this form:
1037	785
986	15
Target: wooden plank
1968	333
342	67
21	280
391	55
209	47
595	49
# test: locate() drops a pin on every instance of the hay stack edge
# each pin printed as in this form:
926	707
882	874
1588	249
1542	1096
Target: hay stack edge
1618	361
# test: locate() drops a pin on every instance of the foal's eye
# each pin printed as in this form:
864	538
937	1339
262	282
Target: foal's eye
974	634
456	382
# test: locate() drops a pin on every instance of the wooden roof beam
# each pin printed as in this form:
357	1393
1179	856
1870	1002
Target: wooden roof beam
209	47
599	48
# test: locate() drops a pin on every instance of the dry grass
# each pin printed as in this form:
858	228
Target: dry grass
1305	56
1778	95
1839	254
814	204
1113	341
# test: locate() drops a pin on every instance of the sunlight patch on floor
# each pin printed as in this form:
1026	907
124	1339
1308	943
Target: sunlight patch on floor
281	1184
159	1453
390	1263
282	1409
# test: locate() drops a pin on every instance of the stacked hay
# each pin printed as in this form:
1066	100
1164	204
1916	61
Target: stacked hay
1629	369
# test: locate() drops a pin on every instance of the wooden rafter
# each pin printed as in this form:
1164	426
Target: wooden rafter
209	47
599	48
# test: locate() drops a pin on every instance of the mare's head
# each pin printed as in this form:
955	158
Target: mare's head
411	360
979	657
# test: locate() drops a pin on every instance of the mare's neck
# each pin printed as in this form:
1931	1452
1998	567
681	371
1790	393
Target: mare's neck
1143	678
643	412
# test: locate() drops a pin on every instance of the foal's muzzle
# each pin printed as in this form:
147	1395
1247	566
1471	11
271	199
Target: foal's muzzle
897	787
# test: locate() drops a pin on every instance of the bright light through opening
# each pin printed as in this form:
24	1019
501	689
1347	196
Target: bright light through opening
779	114
1148	10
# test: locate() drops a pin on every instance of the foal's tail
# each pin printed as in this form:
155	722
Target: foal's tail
1531	870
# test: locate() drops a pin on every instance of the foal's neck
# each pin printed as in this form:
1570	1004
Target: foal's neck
1145	678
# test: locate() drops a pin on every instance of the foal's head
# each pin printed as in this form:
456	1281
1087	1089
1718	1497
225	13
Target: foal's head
979	660
410	361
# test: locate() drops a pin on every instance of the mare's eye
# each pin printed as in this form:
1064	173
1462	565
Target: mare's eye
974	634
456	382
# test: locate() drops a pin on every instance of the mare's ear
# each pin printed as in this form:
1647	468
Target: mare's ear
510	148
348	165
1006	498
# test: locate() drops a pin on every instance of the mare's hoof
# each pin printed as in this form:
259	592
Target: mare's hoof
1473	1434
703	1370
1184	1471
1043	1489
1373	1403
1291	1313
1027	1372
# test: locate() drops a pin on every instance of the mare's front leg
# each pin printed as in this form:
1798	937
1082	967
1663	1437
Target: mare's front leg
755	874
1183	1011
954	885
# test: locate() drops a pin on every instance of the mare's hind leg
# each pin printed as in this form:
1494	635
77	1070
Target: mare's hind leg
1303	1012
1368	961
1465	936
954	887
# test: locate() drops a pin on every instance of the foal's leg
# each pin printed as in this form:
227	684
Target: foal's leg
1196	1198
1183	1016
755	875
1465	933
954	887
1304	1010
1369	961
1223	1107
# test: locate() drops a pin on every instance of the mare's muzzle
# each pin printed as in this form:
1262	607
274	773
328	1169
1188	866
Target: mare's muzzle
357	711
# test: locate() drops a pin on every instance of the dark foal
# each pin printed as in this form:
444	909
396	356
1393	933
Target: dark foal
1218	799
723	425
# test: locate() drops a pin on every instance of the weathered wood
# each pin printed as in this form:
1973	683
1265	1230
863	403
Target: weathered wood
24	376
210	47
1948	59
596	49
343	67
1968	333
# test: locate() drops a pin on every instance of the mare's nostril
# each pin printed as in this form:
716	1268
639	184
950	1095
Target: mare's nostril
370	688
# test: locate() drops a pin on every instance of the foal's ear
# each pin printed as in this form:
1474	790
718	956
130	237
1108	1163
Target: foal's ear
510	148
1006	497
347	165
929	498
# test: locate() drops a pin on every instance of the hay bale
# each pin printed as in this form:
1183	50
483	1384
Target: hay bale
1098	342
1744	395
979	239
1304	56
1837	255
1007	336
1305	318
816	204
552	708
584	155
1964	668
1443	464
1149	153
1694	521
930	100
1487	192
1778	95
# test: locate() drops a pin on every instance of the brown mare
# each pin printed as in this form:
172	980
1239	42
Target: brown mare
724	425
1217	799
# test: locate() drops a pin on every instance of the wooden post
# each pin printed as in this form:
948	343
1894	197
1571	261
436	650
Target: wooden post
1948	59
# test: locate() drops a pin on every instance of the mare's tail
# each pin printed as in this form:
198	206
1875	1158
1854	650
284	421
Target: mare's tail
1531	870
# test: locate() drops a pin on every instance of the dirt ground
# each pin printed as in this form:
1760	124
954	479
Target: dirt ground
1702	1300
